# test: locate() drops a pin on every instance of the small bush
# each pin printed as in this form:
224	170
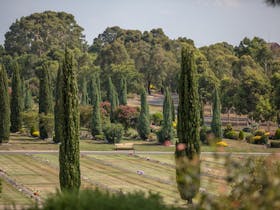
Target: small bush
203	135
30	120
277	134
98	200
274	144
46	125
131	133
165	135
99	137
32	129
85	116
127	116
156	118
249	139
152	137
258	139
232	135
113	133
241	135
227	129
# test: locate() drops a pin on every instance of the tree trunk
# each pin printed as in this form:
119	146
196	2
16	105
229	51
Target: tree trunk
149	87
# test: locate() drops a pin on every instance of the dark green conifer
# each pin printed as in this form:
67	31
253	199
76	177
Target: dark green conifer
4	107
216	118
144	117
28	100
188	148
96	128
58	108
123	92
16	99
45	100
201	113
98	86
166	132
113	99
68	116
173	110
84	95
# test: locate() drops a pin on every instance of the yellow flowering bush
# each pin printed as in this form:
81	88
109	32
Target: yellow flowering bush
152	87
257	138
36	134
174	124
267	134
222	144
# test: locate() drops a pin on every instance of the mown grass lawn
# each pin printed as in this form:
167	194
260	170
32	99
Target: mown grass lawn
19	142
11	195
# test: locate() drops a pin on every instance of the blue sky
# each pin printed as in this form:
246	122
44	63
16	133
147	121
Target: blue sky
204	21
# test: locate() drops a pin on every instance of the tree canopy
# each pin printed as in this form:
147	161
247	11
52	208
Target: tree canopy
40	33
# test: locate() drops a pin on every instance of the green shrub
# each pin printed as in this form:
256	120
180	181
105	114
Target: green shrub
227	129
32	130
203	135
113	133
152	137
99	137
264	139
127	116
277	134
98	200
163	136
241	135
232	135
254	185
156	118
30	119
257	139
249	139
85	116
275	144
131	133
46	125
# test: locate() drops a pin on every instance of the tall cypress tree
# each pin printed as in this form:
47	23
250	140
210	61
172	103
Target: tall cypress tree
68	116
144	117
123	92
96	127
84	96
113	98
201	113
4	107
173	110
216	118
98	85
188	148
166	132
28	101
16	99
58	108
94	80
45	100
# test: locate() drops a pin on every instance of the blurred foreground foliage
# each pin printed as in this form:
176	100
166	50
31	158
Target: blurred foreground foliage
254	183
